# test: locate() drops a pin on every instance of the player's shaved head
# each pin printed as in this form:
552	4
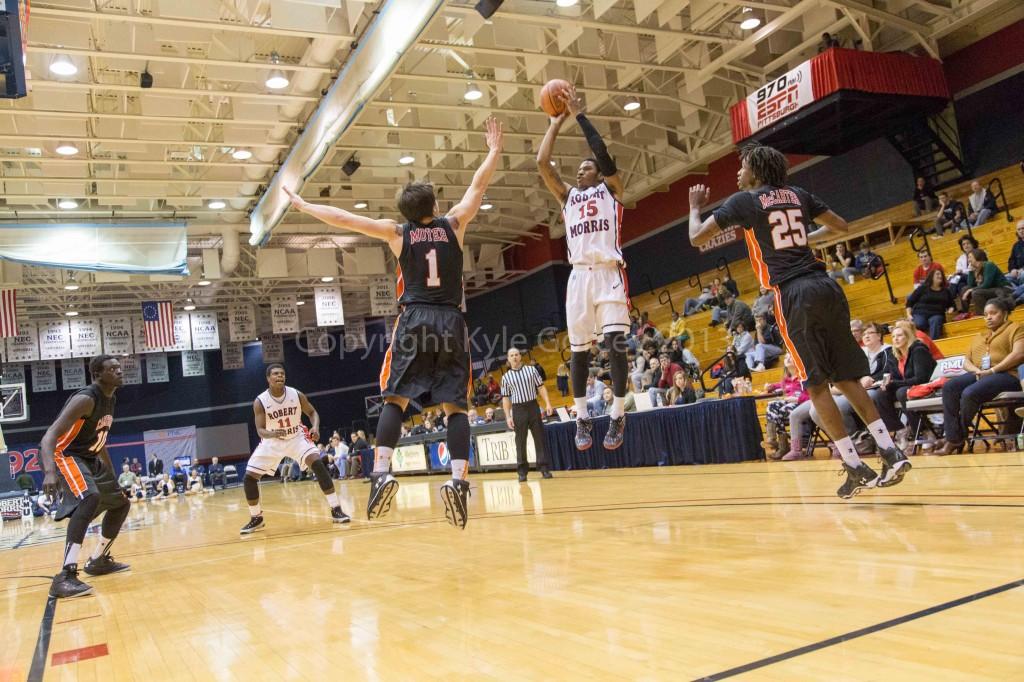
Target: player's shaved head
768	164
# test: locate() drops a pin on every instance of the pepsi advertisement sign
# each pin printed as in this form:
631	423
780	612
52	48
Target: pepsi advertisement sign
440	457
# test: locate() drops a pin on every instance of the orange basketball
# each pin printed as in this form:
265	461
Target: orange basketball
552	105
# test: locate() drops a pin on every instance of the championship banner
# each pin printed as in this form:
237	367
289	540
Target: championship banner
139	337
284	314
13	374
182	333
117	336
54	340
355	334
241	322
383	300
318	342
25	346
499	450
232	355
85	338
131	370
192	363
44	376
409	459
329	309
156	368
272	348
72	374
780	97
205	333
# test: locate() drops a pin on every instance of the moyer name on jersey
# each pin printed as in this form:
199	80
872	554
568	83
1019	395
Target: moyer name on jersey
427	234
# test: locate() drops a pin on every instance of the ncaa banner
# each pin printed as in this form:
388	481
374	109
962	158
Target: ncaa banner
272	347
25	346
499	450
780	97
409	459
54	340
139	336
13	374
72	374
284	314
383	301
329	309
117	336
182	333
44	376
205	332
241	322
156	369
85	338
131	370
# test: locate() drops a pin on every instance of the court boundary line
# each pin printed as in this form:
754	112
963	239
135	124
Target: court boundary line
862	632
42	650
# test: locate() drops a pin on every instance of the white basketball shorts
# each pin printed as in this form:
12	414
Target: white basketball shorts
271	451
596	303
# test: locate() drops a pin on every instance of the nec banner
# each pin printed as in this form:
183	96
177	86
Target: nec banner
780	97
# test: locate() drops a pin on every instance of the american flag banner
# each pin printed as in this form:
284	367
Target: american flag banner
8	313
158	321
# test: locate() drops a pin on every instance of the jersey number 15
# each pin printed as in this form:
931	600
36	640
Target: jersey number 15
788	228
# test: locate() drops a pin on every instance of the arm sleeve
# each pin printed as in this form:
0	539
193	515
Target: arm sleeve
914	295
737	210
605	163
988	276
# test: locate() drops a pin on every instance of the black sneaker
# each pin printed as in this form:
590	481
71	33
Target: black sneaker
456	506
255	524
338	516
857	479
104	565
66	583
613	439
895	466
522	478
382	492
546	474
584	437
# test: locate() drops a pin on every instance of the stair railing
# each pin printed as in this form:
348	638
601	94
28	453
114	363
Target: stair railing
722	264
1002	205
877	273
917	247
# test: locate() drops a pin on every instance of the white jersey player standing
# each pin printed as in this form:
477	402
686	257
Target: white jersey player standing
597	296
278	413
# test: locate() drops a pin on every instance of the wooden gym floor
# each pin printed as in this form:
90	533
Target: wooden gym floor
754	571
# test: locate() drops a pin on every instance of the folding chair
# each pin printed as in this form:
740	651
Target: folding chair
986	427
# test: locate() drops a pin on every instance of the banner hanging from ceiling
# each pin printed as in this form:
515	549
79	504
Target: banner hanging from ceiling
25	346
284	314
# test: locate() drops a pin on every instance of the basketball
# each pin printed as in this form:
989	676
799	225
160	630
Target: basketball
549	101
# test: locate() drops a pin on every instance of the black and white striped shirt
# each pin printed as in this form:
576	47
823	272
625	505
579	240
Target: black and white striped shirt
520	385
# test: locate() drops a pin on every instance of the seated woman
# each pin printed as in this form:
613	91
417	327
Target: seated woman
681	392
163	487
910	365
927	304
195	483
731	370
794	408
844	267
991	368
985	281
958	280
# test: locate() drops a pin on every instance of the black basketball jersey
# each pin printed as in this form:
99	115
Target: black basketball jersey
775	222
88	435
430	265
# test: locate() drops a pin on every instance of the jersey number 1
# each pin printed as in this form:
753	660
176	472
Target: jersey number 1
788	228
432	278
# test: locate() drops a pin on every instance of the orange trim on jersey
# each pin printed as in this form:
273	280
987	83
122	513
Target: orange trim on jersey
68	437
68	468
385	369
399	283
801	369
757	259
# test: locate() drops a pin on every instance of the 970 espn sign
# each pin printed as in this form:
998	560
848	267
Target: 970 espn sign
780	97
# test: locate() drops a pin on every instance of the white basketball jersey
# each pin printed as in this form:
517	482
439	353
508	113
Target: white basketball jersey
284	413
592	218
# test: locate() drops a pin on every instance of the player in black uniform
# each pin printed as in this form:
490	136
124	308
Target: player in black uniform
74	451
813	314
428	360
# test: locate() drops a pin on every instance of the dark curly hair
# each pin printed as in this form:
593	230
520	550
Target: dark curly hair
768	164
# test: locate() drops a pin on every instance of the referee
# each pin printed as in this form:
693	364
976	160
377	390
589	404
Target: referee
519	389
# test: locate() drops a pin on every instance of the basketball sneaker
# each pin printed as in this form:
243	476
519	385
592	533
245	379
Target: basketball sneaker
613	439
857	478
255	524
895	466
338	516
382	491
584	434
456	506
66	583
104	565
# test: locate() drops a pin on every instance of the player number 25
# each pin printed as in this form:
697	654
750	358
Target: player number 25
788	228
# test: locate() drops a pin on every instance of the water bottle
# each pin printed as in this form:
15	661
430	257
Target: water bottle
1020	442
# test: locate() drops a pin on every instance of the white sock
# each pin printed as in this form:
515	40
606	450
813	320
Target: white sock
847	451
881	434
101	547
382	460
255	510
582	411
459	469
71	554
618	407
332	499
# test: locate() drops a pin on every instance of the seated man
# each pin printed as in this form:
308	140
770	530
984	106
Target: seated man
695	305
216	472
489	415
127	480
982	205
768	344
925	267
951	215
668	370
595	388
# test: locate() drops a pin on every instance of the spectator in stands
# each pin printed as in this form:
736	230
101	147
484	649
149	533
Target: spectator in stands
982	204
178	475
844	269
474	418
828	41
735	311
652	375
926	266
493	390
1015	265
25	482
677	331
690	363
489	415
910	365
216	472
668	370
768	344
792	410
602	404
195	483
136	466
951	215
156	467
127	479
731	370
479	392
358	449
991	368
640	366
924	198
730	285
862	261
857	329
645	322
341	454
927	305
681	391
985	281
958	282
764	304
163	487
742	341
695	305
562	378
421	429
595	388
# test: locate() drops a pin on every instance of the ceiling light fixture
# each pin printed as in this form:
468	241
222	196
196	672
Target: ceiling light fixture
750	21
487	205
361	204
473	93
72	313
67	204
204	282
241	155
277	79
632	104
326	279
189	305
71	284
406	159
566	3
63	66
216	204
300	302
66	149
